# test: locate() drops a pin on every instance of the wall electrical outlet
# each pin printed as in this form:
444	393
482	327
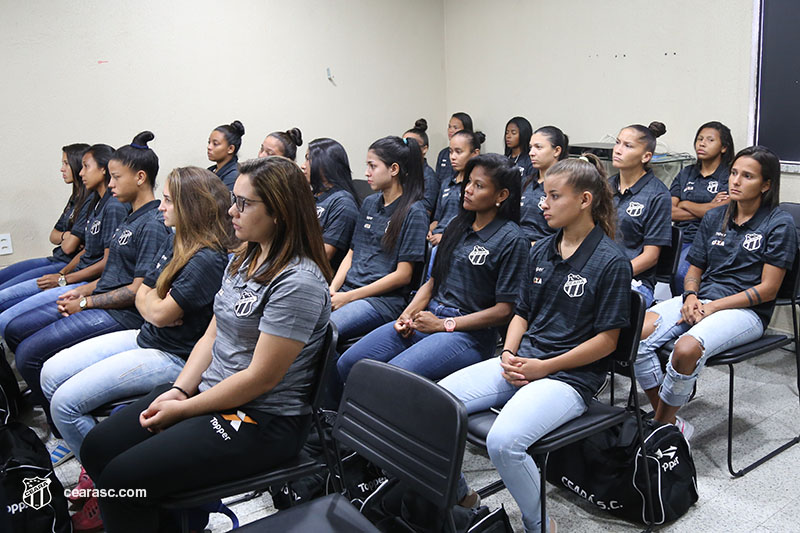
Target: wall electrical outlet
5	244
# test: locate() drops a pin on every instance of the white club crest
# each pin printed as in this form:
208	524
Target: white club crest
95	229
634	209
245	304
320	210
752	242
541	203
478	255
574	285
125	237
713	187
36	493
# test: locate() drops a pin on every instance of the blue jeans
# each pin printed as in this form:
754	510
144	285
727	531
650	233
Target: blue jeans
433	355
645	291
43	332
530	412
356	319
99	370
683	269
24	297
28	269
716	333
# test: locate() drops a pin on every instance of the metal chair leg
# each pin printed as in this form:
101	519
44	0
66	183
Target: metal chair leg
761	460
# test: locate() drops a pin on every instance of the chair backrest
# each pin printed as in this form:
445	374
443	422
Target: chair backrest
407	425
793	209
791	280
630	335
327	357
669	257
362	189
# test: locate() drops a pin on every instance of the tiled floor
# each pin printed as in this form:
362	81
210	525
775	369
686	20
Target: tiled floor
765	501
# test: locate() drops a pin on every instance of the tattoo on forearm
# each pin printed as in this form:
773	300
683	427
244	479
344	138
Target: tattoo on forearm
756	299
749	298
116	299
694	281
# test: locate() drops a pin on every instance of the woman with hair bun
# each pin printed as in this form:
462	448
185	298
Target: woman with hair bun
518	144
283	143
464	145
549	145
418	133
223	147
105	305
643	204
573	303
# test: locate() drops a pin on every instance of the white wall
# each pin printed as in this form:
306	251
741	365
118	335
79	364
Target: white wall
99	71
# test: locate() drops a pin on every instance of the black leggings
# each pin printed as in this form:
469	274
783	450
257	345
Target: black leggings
194	453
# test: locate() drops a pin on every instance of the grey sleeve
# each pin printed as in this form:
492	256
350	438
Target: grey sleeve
296	299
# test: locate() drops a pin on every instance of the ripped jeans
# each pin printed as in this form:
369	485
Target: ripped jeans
716	333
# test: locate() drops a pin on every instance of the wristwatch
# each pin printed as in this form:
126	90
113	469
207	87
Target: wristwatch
62	280
82	303
449	324
687	293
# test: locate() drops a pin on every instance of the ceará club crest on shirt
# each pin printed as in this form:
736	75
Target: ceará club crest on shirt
244	305
752	242
478	255
574	285
634	209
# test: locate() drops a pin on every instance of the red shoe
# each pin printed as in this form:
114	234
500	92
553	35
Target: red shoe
84	483
88	518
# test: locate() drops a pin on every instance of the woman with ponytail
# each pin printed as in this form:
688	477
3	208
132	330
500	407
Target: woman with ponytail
452	321
574	300
372	283
643	204
105	305
103	214
327	169
464	145
282	143
67	234
549	145
223	147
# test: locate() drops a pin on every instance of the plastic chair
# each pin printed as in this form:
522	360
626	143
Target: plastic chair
403	423
597	418
301	466
766	343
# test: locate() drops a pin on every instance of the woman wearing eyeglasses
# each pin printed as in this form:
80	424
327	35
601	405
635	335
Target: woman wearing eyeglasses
242	400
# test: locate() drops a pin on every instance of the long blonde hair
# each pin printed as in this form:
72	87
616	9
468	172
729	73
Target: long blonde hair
201	219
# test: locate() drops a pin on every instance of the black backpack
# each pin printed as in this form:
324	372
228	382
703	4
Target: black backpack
31	496
10	396
606	470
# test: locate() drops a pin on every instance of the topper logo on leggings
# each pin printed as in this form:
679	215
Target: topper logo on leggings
219	429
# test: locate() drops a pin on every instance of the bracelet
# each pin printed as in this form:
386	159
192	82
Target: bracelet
509	351
180	389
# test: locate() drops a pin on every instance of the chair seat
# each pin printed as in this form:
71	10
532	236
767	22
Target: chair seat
301	466
737	353
597	417
333	513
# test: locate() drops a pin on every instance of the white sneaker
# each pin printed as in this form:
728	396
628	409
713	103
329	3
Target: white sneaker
59	453
686	428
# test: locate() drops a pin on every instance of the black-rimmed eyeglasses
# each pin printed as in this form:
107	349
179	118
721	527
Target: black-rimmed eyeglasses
242	202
